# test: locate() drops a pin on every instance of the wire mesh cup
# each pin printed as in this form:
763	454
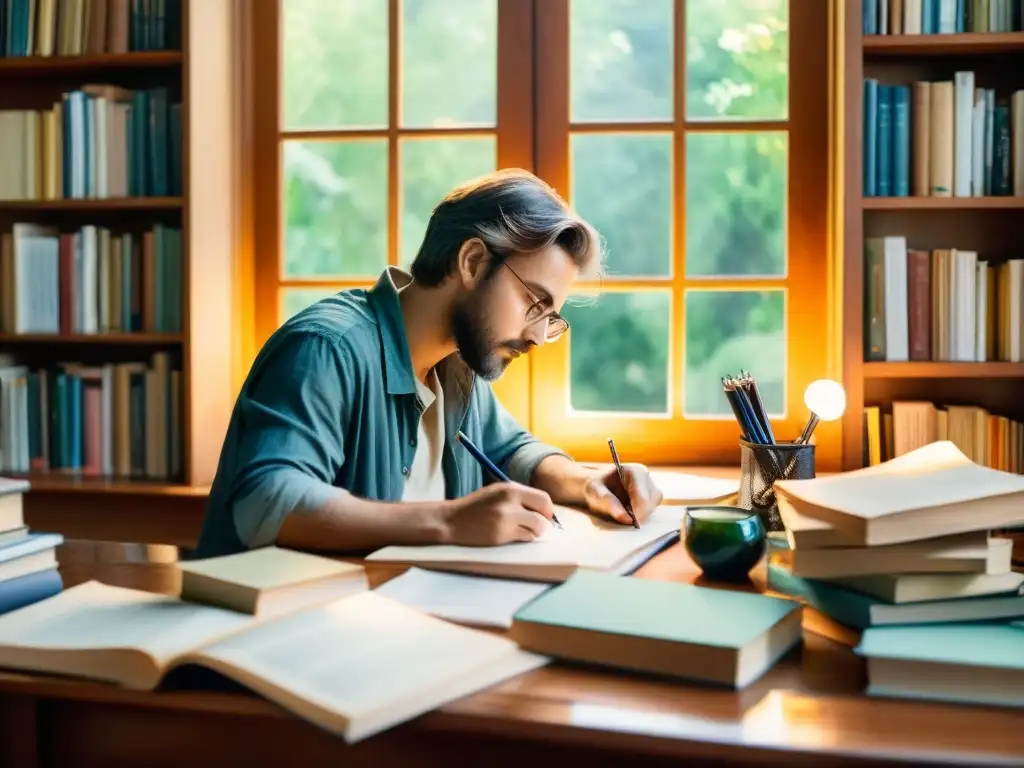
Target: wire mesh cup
760	466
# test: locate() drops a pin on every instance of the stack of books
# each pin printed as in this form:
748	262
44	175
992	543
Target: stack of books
904	548
28	561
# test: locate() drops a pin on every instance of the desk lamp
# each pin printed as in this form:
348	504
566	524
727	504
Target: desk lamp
826	400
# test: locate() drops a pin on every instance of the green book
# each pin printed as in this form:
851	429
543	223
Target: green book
974	663
680	630
860	611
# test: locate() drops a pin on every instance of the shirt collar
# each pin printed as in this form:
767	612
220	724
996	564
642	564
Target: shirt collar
399	378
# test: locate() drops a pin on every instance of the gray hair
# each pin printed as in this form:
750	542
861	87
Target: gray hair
511	211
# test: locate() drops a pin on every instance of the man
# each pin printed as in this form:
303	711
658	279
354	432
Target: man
343	435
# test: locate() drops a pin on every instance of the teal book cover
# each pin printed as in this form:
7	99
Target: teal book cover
975	645
658	610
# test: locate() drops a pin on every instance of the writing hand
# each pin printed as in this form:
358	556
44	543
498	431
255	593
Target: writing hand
499	513
605	494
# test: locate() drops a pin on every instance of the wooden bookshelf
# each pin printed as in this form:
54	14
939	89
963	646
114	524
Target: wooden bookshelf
941	203
943	370
94	205
988	225
965	44
25	66
91	338
52	482
203	74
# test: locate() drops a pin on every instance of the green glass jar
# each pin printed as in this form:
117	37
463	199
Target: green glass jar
726	542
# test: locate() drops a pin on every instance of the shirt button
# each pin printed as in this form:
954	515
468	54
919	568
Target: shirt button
405	470
412	442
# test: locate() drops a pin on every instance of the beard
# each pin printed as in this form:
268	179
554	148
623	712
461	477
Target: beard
475	340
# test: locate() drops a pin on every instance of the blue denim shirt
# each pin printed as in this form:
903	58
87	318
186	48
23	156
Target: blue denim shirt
331	402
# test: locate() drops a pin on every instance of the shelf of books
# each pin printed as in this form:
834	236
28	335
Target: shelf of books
97	359
934	260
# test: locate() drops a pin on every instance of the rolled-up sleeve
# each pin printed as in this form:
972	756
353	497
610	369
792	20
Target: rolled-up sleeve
290	446
506	442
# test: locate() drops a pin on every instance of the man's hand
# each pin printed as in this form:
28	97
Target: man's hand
605	494
497	514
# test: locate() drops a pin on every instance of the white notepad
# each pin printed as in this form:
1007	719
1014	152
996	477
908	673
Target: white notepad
585	542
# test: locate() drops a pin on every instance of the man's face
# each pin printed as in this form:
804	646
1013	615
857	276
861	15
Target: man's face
490	324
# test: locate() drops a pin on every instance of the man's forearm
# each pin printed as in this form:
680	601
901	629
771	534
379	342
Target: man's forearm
346	522
563	479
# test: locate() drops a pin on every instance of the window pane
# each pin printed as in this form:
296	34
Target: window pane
737	59
618	354
727	331
324	44
430	168
335	207
294	300
622	184
449	62
620	60
736	204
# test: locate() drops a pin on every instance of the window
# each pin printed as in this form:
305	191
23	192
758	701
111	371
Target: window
379	109
692	133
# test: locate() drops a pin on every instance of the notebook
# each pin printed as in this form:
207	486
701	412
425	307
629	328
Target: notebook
667	628
964	663
354	666
929	492
584	542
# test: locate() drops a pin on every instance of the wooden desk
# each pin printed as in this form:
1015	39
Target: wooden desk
809	710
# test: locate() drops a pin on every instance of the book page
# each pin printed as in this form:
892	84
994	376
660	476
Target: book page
97	617
932	476
364	662
584	540
477	600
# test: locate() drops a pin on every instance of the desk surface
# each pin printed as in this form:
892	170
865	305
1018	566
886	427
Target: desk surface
809	708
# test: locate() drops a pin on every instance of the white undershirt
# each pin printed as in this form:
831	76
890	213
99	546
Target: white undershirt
425	481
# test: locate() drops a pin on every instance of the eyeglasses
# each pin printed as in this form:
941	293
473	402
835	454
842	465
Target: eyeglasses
557	325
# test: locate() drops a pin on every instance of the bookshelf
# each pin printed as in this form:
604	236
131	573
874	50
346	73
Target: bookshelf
140	247
983	220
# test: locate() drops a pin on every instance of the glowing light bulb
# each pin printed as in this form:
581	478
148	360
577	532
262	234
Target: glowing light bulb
826	400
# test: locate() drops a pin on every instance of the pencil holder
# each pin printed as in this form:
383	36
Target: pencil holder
760	466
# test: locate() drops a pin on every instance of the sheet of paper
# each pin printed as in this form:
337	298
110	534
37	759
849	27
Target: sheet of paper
477	600
584	540
684	488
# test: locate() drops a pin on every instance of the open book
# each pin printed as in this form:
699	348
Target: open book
584	542
354	666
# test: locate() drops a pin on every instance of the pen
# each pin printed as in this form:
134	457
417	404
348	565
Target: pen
622	480
490	465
